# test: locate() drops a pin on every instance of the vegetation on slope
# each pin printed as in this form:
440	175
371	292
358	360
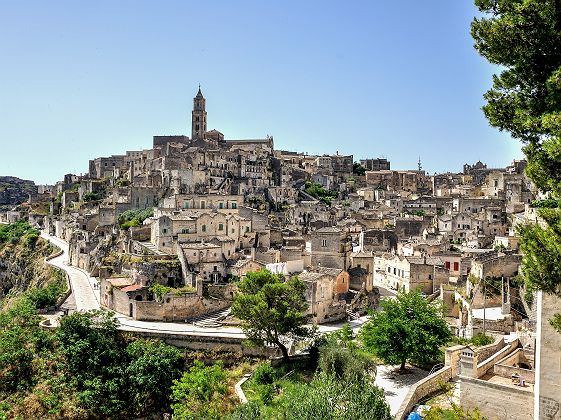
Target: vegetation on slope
22	262
131	218
317	191
341	387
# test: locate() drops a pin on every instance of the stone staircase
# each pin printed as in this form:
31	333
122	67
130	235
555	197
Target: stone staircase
352	315
150	247
211	320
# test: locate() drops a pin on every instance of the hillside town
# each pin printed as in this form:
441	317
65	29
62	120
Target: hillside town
168	231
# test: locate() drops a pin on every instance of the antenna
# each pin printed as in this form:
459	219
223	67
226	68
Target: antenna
419	164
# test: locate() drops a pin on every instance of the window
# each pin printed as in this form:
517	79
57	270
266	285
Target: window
324	242
456	266
234	205
430	276
186	205
185	230
447	265
220	205
196	127
203	204
164	230
203	228
220	226
247	229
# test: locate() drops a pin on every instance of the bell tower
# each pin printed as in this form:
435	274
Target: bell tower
198	117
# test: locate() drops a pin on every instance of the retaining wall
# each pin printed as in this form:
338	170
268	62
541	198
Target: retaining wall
497	401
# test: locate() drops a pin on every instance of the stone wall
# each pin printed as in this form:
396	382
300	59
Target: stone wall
511	365
487	364
508	372
422	389
548	360
176	308
195	341
432	383
496	401
484	352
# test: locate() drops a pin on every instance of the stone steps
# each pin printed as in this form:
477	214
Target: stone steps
211	320
152	248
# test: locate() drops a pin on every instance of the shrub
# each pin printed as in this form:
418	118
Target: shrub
91	196
264	374
199	392
14	232
482	340
46	296
132	218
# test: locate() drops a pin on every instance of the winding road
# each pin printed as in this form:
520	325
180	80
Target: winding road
87	297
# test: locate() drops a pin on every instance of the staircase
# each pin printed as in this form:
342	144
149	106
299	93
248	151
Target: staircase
352	315
149	246
211	320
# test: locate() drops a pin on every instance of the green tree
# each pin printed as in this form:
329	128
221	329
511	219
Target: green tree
152	368
199	392
271	308
92	355
407	328
91	196
19	339
358	169
524	38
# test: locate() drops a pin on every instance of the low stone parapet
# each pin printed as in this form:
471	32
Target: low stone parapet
425	387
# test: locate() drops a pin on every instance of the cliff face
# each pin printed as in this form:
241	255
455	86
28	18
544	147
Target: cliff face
15	191
23	266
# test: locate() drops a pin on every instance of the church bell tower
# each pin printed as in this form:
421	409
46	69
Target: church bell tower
198	117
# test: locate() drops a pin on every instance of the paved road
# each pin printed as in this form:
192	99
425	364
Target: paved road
87	298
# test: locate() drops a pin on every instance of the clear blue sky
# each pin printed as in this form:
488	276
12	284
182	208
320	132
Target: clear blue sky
400	79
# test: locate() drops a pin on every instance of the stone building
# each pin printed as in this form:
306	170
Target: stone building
375	164
324	294
331	248
411	273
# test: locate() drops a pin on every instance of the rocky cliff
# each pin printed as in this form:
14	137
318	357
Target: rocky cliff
23	266
15	191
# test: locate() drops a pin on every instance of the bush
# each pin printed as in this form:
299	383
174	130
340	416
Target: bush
14	232
91	196
249	411
264	374
199	392
131	218
482	340
46	296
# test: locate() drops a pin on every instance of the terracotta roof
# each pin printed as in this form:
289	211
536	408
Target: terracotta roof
132	288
